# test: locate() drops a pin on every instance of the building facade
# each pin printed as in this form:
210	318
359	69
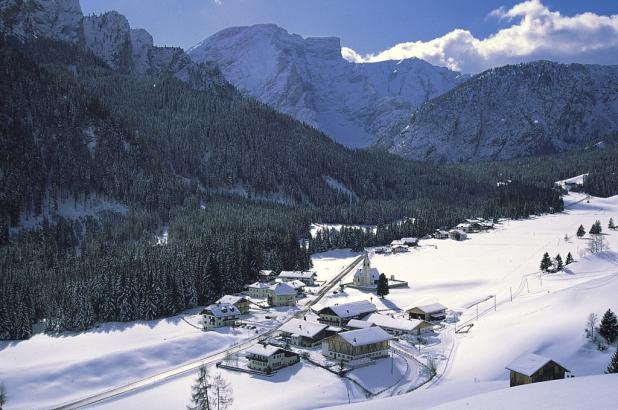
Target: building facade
339	315
281	294
219	315
366	276
267	358
357	346
532	368
241	302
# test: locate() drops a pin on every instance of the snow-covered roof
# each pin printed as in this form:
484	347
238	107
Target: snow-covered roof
297	274
458	231
359	324
362	337
266	272
431	308
302	328
393	323
261	350
222	309
297	284
282	289
409	240
397	242
529	364
231	299
375	274
259	285
352	309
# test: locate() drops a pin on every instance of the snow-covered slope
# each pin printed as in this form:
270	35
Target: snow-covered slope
309	79
108	36
513	111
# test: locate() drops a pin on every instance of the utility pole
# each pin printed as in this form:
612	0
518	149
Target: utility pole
511	290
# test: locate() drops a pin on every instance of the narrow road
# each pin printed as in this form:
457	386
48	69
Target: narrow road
207	360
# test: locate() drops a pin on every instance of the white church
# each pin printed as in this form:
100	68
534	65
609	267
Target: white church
366	276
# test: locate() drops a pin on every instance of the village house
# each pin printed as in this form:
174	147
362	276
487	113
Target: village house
281	294
358	324
339	315
532	368
409	241
266	358
440	234
434	312
399	249
258	290
357	346
400	326
457	235
298	286
219	315
241	302
308	278
306	334
366	276
266	275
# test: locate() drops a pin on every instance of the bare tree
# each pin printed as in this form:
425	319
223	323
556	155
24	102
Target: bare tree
432	365
591	324
201	395
597	243
222	393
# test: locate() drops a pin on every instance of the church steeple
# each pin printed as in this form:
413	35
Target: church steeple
367	269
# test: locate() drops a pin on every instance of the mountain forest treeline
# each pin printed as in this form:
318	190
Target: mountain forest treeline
234	184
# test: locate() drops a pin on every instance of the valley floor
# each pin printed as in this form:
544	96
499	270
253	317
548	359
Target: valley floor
547	315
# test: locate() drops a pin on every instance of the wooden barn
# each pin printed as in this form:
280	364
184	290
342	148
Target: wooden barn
532	368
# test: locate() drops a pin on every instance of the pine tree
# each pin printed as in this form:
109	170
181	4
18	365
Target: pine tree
559	264
382	289
596	228
613	364
581	231
2	396
609	326
201	397
569	259
545	262
611	225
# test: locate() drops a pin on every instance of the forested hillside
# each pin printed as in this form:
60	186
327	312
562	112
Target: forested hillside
236	184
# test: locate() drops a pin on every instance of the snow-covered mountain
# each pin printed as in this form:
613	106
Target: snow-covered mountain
108	36
309	79
513	111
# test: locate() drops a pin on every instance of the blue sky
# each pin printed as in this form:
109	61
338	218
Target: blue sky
368	27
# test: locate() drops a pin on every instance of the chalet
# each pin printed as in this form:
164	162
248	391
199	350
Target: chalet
399	326
241	302
356	346
409	241
339	315
399	249
532	368
440	234
358	324
266	358
457	234
281	294
308	278
219	315
431	313
266	275
306	334
258	290
298	285
397	242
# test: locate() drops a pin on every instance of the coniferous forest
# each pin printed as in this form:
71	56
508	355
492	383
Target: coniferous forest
235	184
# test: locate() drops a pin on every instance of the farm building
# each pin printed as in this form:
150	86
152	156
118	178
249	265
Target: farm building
431	313
306	334
308	278
366	276
219	315
281	294
266	358
440	234
241	302
399	249
532	368
399	326
258	290
357	346
266	275
339	315
457	235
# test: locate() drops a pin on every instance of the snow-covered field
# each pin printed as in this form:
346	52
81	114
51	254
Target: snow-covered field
547	316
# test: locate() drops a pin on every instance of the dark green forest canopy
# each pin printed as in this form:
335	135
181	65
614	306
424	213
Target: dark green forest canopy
72	129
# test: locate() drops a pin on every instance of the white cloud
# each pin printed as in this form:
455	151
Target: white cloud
536	33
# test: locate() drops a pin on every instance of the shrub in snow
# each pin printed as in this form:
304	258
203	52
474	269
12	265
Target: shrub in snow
581	231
